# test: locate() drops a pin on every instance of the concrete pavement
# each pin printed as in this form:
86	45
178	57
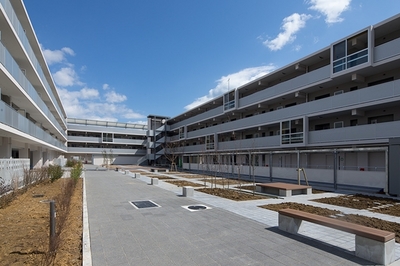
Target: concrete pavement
228	233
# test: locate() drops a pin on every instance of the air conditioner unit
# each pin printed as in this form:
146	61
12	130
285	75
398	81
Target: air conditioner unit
300	94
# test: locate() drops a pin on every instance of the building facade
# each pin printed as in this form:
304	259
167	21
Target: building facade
32	118
332	113
333	116
102	142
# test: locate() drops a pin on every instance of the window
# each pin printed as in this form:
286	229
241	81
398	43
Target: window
290	104
322	96
229	100
380	81
322	126
338	92
380	119
108	137
210	142
350	53
338	124
292	131
181	133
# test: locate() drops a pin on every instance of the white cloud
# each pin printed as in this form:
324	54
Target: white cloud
114	97
57	56
291	25
66	76
106	86
86	104
87	93
231	81
330	9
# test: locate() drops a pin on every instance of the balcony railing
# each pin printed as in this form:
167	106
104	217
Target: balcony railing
12	118
12	67
349	61
25	43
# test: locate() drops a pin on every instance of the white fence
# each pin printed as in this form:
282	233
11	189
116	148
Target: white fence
13	169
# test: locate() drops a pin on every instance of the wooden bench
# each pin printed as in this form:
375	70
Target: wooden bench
283	189
371	244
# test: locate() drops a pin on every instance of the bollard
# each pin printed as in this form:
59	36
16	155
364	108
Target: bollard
52	225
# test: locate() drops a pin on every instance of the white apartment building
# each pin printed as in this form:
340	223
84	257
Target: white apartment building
101	142
334	113
32	118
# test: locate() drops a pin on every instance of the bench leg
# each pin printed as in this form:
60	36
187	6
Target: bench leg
187	191
375	251
289	224
285	192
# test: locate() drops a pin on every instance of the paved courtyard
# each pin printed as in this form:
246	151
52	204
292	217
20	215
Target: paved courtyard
226	233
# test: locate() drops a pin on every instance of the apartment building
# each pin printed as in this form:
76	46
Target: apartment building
102	142
32	118
334	113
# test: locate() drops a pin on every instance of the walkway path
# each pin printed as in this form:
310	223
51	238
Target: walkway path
229	233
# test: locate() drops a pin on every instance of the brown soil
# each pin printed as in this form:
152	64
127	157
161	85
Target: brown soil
357	219
361	202
182	183
24	228
231	194
253	188
160	177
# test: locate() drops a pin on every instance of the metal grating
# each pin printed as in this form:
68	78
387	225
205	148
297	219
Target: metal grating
144	204
197	207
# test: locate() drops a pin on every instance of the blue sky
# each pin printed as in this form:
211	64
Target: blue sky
123	60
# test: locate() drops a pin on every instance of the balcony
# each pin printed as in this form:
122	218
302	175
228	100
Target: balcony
12	118
358	134
12	67
101	150
29	51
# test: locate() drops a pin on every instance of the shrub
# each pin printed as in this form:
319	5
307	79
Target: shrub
71	163
55	172
76	171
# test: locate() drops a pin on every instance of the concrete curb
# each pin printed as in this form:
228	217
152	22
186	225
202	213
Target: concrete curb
86	251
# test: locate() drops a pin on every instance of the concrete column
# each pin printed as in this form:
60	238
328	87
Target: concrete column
24	152
37	158
5	147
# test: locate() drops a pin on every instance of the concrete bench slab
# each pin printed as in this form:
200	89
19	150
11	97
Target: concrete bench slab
371	244
283	189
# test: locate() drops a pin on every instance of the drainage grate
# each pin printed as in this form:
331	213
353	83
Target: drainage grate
144	204
197	207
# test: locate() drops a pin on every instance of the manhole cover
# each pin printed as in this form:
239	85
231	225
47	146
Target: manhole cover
144	204
197	207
